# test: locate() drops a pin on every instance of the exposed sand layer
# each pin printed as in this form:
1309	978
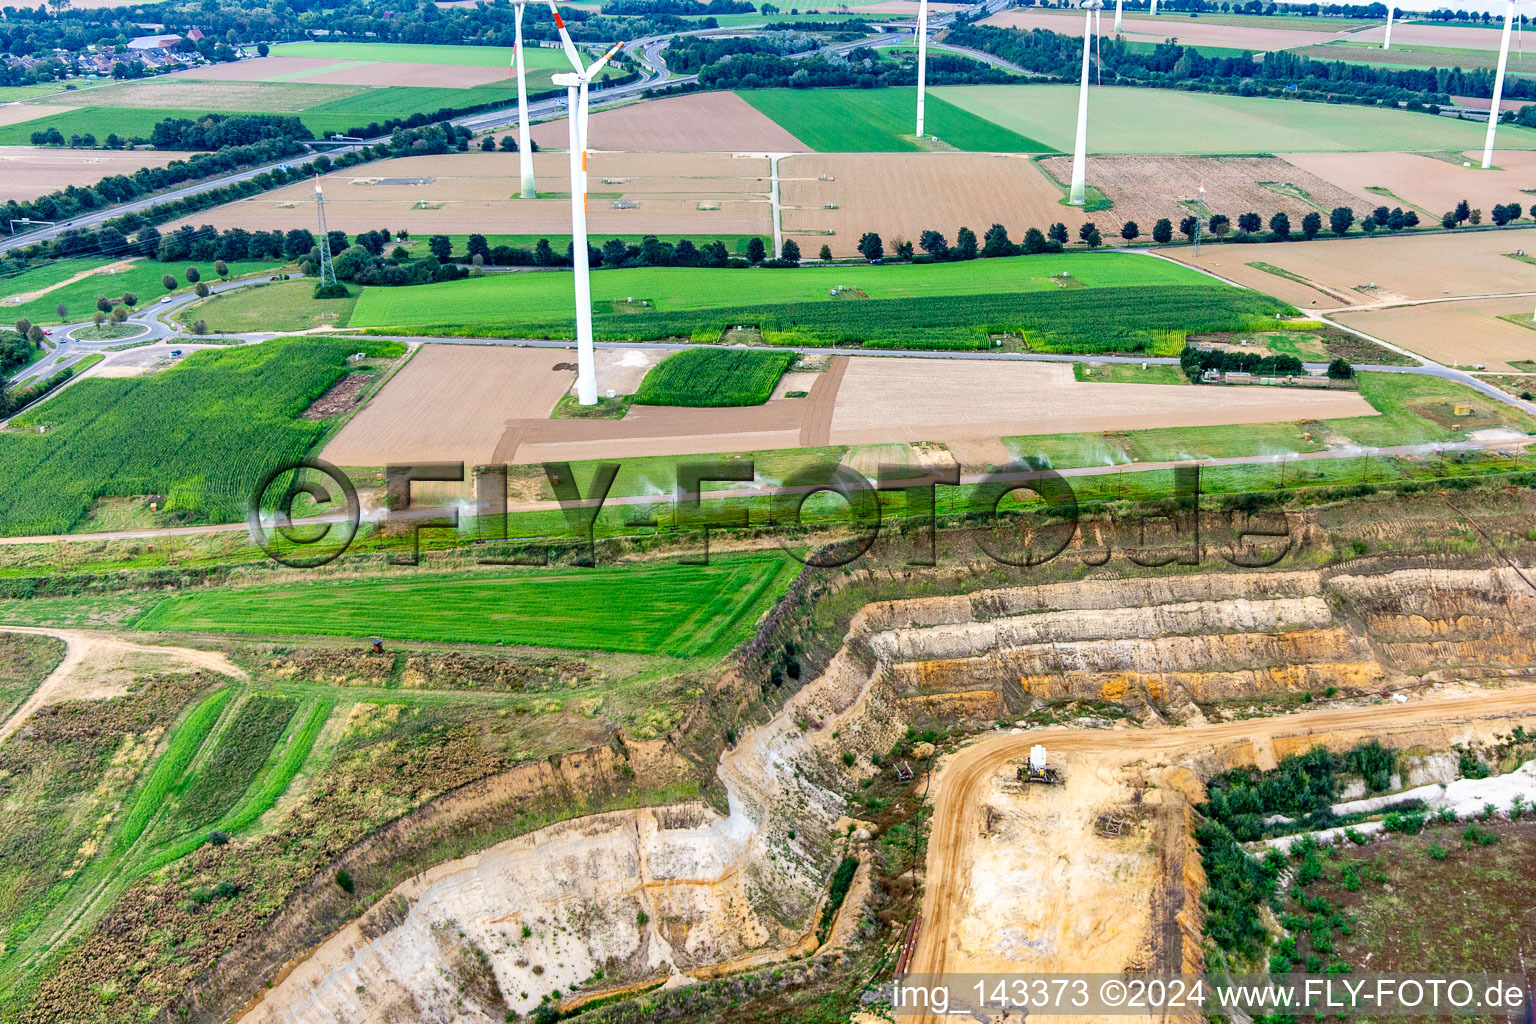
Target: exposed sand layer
27	172
900	195
1340	272
452	402
486	404
1189	32
704	122
649	193
1429	185
1146	188
1456	333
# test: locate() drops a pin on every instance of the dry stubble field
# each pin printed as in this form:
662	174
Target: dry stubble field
705	122
1455	333
1145	188
1429	184
899	195
674	193
26	173
1415	266
331	71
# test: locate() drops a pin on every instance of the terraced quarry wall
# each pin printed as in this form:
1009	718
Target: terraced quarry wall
615	900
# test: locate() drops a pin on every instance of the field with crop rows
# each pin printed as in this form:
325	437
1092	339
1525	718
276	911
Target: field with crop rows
681	610
881	120
714	377
547	297
200	435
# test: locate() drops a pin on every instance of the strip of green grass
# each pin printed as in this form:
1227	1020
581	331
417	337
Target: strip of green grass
685	611
543	297
283	306
880	121
184	745
98	121
276	777
142	277
714	377
242	750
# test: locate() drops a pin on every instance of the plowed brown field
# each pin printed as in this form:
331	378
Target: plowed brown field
476	192
899	195
704	122
1412	266
26	173
1145	188
1456	333
15	113
1430	185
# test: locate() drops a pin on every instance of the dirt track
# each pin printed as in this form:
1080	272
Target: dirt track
87	666
951	906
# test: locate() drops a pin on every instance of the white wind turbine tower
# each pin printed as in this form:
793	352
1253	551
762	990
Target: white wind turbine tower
922	60
524	150
1387	44
1118	5
576	115
1498	86
1079	194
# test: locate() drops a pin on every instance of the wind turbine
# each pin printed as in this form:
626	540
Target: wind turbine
524	150
1153	10
922	60
1498	86
1079	194
1387	44
1118	5
576	114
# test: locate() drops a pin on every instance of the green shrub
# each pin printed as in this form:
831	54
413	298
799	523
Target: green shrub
344	879
1437	852
712	377
842	878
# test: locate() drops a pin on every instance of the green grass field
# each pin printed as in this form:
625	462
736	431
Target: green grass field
547	297
1418	57
25	662
284	306
1127	120
125	121
200	435
142	278
881	121
683	611
714	377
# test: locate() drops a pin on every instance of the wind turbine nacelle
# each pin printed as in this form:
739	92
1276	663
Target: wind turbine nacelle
567	79
1090	5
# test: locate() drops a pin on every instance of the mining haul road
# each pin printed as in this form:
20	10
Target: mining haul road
963	785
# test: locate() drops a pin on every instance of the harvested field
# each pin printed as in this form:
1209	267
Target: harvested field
401	73
476	192
1333	273
1429	185
888	400
1455	333
259	69
1145	188
1155	30
174	92
1407	33
902	194
452	401
27	172
709	122
16	113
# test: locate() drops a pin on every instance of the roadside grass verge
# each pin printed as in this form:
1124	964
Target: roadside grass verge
714	377
279	306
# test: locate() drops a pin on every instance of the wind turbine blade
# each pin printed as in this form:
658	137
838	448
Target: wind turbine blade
565	40
604	59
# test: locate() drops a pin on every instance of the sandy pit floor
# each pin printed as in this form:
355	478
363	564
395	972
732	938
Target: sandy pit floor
1339	272
651	193
1455	333
705	122
1425	183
